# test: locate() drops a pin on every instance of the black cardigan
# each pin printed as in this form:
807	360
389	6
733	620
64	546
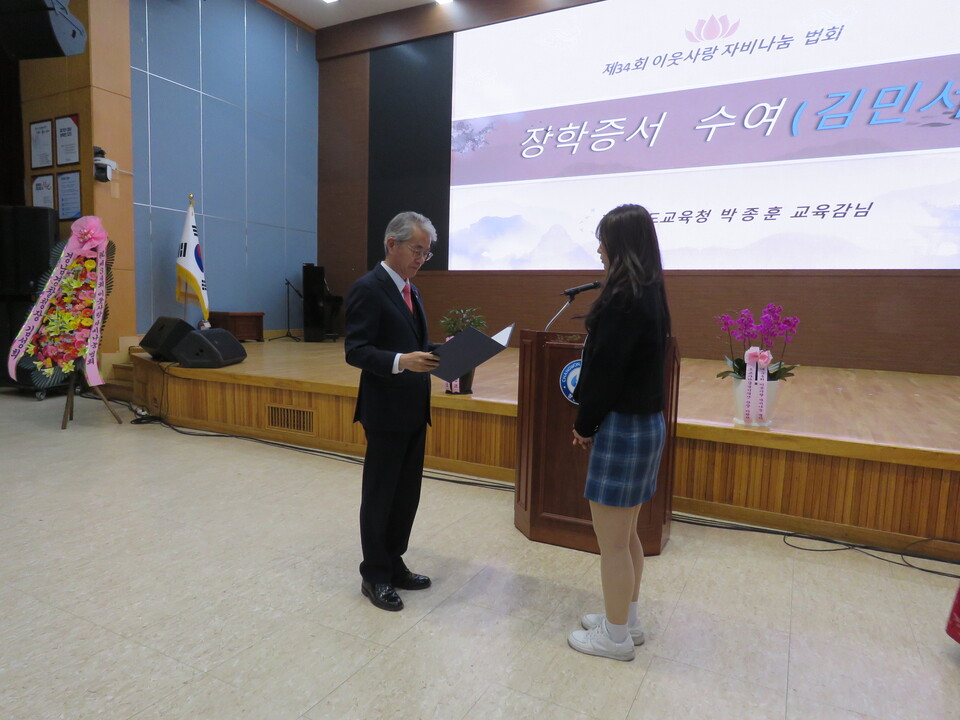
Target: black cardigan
622	366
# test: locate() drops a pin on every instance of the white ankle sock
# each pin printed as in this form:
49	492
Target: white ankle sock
617	633
632	614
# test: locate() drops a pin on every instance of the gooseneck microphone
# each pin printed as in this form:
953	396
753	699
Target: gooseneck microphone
571	294
574	291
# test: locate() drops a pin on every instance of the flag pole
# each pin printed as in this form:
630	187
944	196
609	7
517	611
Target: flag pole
186	287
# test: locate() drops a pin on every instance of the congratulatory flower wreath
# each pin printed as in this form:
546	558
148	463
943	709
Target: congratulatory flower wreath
62	333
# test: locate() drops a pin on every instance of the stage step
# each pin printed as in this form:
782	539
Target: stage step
121	391
119	385
122	372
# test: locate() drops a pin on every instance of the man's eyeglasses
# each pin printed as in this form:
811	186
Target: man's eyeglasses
420	253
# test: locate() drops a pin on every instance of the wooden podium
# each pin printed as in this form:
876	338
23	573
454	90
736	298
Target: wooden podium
549	505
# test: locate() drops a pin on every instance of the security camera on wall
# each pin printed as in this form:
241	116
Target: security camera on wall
103	168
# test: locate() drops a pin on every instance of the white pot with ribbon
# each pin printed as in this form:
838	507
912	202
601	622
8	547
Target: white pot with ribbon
755	395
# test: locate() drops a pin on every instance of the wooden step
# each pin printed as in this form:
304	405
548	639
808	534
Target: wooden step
121	390
122	372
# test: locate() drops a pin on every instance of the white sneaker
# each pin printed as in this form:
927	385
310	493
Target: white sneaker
597	642
592	620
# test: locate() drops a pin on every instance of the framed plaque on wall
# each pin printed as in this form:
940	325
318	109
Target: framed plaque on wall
41	144
68	195
68	139
41	187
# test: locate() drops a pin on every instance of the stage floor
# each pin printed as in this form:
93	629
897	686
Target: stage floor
868	414
862	455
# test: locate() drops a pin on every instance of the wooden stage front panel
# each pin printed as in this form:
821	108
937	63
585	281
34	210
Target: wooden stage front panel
867	456
304	394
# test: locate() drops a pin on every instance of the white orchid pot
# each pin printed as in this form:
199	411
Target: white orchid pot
751	415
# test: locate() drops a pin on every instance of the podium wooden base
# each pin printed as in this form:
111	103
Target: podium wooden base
549	505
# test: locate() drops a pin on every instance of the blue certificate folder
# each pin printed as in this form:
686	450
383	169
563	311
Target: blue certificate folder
464	351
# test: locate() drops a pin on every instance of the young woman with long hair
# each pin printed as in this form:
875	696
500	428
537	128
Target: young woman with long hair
620	420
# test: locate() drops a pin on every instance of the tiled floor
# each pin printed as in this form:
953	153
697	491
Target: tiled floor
150	575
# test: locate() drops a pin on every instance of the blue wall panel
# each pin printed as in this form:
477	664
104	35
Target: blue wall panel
301	195
222	64
245	147
174	145
138	34
264	277
141	136
266	170
173	41
301	80
143	251
266	60
224	160
225	263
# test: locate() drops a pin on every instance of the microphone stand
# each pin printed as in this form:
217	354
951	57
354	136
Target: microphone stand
289	334
566	305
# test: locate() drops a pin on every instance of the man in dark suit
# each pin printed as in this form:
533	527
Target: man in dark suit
386	337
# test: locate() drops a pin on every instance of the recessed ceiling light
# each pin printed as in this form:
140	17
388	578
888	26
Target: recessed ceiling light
329	1
444	2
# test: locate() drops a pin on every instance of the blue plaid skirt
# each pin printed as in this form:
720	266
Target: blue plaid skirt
625	459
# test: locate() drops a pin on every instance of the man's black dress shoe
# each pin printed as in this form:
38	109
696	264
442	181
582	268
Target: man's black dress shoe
406	580
382	596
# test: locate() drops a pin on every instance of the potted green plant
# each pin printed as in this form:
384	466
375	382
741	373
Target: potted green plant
454	322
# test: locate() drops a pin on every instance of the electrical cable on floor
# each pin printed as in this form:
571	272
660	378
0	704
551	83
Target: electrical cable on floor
840	545
470	481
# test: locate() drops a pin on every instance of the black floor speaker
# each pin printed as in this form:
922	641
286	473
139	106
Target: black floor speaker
212	348
163	336
27	235
313	291
321	309
40	29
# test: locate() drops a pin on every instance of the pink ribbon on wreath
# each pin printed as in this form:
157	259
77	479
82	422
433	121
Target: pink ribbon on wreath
755	390
88	239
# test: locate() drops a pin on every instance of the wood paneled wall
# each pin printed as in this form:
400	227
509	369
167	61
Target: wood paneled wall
897	320
529	299
343	154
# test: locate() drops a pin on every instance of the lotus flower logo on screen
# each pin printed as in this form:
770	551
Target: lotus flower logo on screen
712	29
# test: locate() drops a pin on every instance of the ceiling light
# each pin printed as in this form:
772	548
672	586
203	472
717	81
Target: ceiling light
329	1
444	2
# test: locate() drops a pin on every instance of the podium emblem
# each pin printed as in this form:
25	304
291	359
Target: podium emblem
568	380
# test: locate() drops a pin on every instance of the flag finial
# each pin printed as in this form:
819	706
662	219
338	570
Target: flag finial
191	198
